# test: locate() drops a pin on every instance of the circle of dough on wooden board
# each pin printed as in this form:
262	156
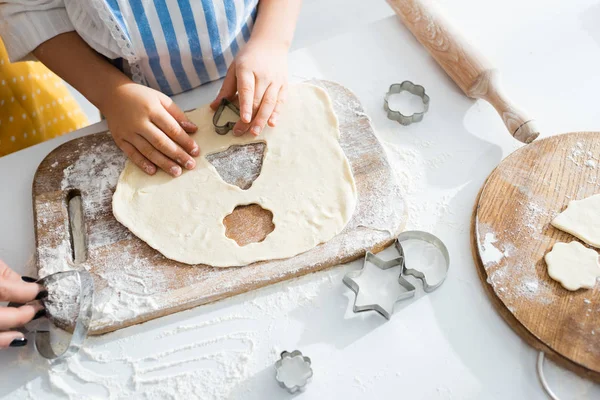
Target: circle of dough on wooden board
305	181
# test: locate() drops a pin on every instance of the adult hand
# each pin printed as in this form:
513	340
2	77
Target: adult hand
14	288
259	77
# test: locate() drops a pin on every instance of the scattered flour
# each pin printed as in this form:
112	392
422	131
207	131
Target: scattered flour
489	253
194	359
580	157
412	167
591	163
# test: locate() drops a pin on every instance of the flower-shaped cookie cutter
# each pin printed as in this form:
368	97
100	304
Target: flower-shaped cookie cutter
293	371
406	86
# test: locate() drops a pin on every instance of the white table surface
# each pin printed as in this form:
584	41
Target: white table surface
450	344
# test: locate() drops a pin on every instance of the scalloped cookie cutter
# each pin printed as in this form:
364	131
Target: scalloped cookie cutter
406	86
293	371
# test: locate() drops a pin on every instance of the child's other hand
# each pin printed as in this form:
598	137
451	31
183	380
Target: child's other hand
259	76
149	127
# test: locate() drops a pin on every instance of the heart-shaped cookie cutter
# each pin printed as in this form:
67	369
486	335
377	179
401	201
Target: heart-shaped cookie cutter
226	127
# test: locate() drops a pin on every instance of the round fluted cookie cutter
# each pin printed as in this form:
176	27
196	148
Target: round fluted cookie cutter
406	86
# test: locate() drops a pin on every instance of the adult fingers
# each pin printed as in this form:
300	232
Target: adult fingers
137	158
228	89
166	123
11	317
12	339
280	101
155	155
7	273
267	105
180	117
18	291
245	87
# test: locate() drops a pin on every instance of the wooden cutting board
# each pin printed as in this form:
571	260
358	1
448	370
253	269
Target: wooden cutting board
134	283
511	233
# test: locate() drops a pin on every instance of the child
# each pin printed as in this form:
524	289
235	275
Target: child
126	56
35	105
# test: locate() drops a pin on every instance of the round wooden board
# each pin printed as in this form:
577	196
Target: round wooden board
511	233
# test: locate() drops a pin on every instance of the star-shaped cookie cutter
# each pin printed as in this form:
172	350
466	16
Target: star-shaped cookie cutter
350	278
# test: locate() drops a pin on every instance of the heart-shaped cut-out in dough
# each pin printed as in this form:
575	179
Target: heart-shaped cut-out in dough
239	165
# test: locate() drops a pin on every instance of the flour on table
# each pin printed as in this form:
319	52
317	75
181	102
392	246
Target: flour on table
573	265
581	219
193	359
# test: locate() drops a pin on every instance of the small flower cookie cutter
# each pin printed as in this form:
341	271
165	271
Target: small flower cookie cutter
226	127
406	86
293	371
82	324
386	309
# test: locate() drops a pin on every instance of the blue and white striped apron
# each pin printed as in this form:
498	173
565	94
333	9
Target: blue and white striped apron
181	44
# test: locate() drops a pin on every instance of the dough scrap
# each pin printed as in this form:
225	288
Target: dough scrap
581	219
305	181
573	265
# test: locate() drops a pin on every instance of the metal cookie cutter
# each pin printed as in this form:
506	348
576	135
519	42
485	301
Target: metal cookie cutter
410	87
223	129
293	371
386	309
82	324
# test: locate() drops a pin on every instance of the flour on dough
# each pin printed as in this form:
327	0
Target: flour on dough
573	265
305	181
582	220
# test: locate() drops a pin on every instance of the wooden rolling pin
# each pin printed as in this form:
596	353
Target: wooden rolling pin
472	72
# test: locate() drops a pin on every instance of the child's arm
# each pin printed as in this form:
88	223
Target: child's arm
144	123
259	71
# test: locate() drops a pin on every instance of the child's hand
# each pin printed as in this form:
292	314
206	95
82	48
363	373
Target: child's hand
259	76
19	290
149	127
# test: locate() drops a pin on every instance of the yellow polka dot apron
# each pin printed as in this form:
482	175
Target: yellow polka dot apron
35	105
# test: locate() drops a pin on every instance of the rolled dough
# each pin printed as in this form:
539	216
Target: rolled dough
573	265
581	219
305	181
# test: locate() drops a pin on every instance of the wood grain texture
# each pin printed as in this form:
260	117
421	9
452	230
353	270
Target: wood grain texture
248	224
511	233
141	283
467	67
239	165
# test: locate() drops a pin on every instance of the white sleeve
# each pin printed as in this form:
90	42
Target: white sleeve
25	24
